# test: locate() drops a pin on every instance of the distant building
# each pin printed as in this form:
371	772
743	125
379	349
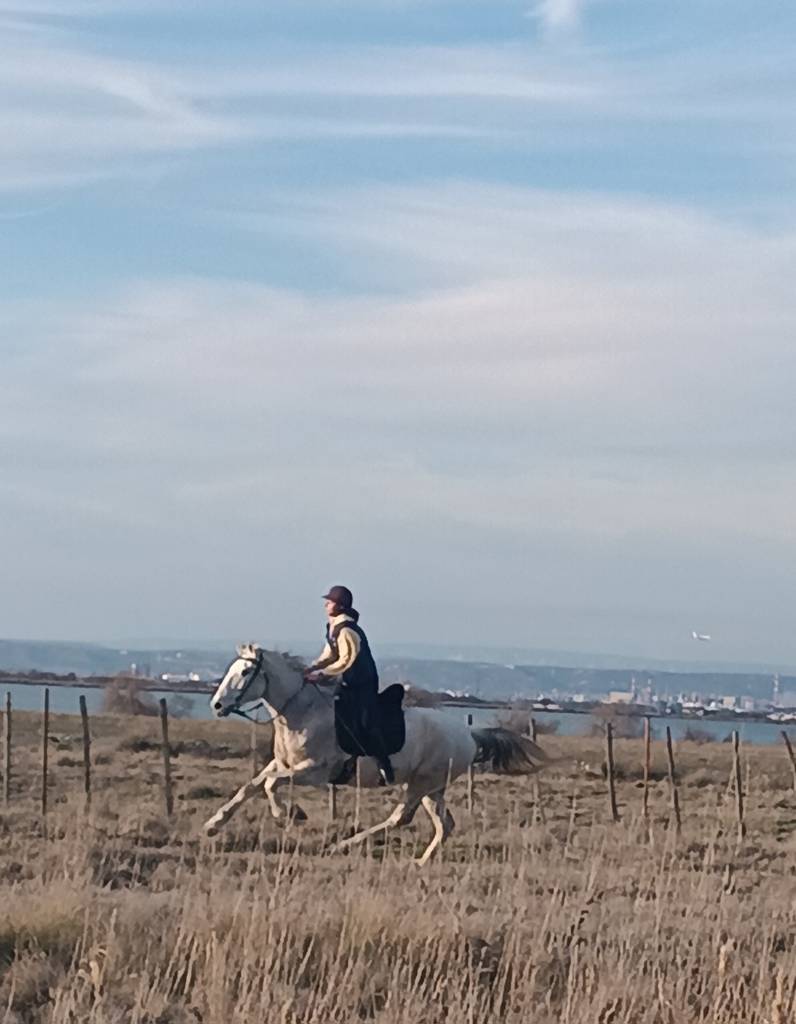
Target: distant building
621	696
180	677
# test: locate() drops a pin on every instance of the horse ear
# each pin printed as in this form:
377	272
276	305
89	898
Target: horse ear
243	650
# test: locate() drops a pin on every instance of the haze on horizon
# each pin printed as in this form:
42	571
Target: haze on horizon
484	309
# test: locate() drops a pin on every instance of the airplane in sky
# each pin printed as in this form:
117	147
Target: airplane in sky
700	636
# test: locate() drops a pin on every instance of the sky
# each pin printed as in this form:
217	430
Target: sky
485	309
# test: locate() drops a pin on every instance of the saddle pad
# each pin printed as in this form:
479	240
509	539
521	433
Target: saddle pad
393	726
355	729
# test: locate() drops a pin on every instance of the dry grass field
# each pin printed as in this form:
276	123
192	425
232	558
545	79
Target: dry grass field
540	908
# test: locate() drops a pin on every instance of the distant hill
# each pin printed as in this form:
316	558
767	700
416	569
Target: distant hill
93	659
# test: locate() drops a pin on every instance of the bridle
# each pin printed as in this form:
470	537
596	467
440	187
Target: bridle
240	697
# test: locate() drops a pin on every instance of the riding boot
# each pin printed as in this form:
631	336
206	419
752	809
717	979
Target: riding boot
386	773
346	773
379	748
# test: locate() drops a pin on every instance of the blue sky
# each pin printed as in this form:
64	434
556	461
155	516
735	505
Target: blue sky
485	309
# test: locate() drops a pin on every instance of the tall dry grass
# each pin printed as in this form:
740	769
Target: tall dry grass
539	910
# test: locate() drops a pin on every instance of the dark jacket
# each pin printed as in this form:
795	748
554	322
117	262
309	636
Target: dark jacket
347	654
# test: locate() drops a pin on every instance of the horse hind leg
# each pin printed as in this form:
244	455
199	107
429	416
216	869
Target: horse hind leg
402	815
441	819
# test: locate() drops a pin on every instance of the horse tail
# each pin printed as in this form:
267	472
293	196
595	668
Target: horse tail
508	751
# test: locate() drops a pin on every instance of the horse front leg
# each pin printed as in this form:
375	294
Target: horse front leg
303	774
281	811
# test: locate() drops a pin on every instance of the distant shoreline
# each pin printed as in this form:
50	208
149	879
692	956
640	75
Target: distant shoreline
100	682
464	703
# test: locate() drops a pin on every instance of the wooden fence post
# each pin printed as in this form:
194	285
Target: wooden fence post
470	778
45	738
532	728
332	802
7	751
609	766
358	801
788	747
736	769
673	781
164	728
645	797
86	751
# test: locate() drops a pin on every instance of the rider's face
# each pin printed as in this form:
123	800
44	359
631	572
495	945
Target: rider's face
329	608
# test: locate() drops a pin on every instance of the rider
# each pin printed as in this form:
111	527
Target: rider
347	655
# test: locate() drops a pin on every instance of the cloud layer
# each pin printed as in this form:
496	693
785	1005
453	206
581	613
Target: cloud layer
605	381
442	314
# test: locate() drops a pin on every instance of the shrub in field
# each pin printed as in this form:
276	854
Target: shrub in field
694	734
626	726
514	719
518	719
139	744
125	695
204	792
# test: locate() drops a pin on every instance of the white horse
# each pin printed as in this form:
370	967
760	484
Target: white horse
437	750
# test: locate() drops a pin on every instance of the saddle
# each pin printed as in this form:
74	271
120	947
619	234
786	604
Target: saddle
374	729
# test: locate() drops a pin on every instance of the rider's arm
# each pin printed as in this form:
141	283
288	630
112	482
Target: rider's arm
347	650
325	658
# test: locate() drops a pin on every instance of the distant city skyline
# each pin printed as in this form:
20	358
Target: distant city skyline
483	309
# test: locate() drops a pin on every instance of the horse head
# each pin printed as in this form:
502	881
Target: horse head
244	682
256	677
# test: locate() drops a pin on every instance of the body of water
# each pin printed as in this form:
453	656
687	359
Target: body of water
65	700
572	724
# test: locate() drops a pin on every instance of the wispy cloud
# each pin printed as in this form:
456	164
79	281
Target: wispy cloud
581	325
559	15
75	113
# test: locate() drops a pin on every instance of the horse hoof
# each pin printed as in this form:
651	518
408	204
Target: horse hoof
210	830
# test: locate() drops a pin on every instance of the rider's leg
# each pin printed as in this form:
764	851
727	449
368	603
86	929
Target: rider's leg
371	714
346	772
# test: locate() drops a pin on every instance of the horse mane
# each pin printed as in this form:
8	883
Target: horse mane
291	660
